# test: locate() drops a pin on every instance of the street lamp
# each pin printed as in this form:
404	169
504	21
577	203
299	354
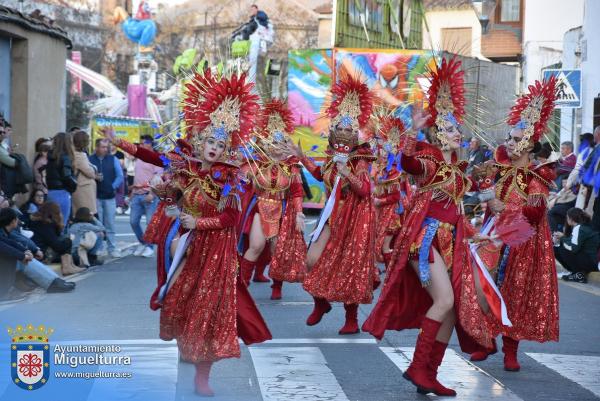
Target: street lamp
483	9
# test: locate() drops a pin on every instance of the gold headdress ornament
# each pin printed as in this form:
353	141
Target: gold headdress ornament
226	110
351	107
275	122
532	112
446	96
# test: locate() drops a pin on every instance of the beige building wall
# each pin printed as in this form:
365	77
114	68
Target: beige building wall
37	86
324	40
447	29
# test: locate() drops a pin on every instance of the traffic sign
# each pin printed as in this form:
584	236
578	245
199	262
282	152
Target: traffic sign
568	87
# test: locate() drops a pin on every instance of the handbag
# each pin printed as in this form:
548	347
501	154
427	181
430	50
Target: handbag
66	177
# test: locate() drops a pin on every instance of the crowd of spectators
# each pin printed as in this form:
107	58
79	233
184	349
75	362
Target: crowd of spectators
61	209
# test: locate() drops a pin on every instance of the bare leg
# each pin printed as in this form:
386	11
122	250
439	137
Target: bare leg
257	240
317	248
387	241
442	295
483	304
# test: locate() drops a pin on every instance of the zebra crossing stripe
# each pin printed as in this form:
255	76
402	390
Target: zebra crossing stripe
583	370
295	373
469	381
154	376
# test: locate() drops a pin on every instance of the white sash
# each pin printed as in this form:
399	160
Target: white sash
179	254
327	210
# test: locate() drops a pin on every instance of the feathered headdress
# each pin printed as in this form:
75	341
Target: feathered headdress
351	107
352	103
275	122
227	112
446	94
391	129
532	111
194	91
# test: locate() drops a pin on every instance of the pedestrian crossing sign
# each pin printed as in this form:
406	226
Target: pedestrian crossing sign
568	87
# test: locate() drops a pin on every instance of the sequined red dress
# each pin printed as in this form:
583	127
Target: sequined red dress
345	271
207	307
528	281
393	192
277	198
434	220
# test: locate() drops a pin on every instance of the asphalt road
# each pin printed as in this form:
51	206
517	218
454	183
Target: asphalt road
110	307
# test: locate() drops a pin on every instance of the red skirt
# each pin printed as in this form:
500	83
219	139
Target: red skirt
346	270
202	310
289	261
386	217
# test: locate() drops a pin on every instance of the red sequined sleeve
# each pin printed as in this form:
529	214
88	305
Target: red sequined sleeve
296	189
313	168
359	180
389	199
536	206
147	155
227	218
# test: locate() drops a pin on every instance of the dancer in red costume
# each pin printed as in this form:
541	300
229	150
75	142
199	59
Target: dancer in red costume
526	274
205	306
342	255
430	284
392	187
163	227
274	215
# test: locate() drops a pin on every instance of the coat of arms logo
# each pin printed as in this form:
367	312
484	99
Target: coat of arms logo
30	356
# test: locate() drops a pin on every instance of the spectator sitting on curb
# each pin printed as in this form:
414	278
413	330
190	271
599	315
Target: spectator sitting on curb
577	252
87	233
558	205
29	264
47	227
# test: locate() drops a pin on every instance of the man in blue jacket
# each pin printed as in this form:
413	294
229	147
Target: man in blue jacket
109	179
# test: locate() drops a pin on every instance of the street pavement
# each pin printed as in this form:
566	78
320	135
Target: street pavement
110	306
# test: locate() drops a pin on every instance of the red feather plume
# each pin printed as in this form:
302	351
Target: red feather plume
388	123
546	90
450	73
275	106
348	84
234	88
194	94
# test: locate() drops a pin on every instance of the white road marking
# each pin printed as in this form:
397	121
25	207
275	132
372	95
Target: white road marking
295	373
469	381
154	375
321	341
583	370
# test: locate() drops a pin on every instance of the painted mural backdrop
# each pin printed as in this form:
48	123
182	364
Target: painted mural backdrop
397	77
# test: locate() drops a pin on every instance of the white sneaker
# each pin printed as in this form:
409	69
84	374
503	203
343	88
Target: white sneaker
119	210
127	212
148	252
116	254
139	250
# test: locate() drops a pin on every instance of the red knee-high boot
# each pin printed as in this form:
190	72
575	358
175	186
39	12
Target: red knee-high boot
484	353
435	360
201	379
261	264
276	289
351	325
322	306
418	371
246	269
510	347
